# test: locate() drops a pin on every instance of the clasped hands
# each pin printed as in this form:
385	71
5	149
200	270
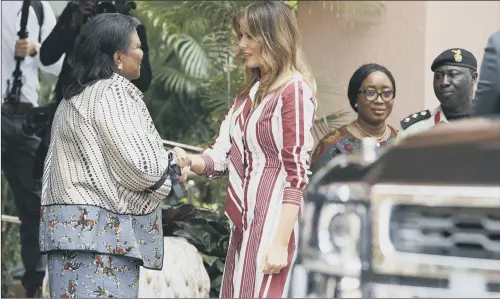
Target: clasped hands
183	161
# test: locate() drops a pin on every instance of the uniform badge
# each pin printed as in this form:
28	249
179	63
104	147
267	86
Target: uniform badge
414	118
458	55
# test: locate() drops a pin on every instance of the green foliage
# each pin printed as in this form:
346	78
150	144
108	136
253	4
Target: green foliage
325	124
205	230
194	73
293	4
47	86
191	46
11	251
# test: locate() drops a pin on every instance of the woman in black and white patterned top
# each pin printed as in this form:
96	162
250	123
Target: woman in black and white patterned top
106	171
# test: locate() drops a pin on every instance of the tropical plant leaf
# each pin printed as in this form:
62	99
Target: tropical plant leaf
210	260
325	124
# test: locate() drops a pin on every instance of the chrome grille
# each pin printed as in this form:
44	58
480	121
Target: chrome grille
449	231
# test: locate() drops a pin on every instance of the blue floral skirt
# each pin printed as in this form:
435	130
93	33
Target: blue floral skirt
80	274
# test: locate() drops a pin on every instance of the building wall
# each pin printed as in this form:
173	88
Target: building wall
404	36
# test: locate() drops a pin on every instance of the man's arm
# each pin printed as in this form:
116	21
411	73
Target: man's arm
488	89
60	39
47	29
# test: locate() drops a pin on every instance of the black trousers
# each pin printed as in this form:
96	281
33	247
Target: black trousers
18	152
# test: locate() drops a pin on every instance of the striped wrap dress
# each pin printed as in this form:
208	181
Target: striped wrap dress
266	152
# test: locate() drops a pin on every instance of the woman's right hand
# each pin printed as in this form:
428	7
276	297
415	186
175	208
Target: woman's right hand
196	163
182	156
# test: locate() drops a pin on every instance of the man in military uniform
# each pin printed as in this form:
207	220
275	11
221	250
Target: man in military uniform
455	73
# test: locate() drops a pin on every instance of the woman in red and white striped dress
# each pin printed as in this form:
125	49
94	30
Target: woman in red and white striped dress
264	144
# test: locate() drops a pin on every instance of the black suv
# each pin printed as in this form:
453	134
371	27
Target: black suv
420	219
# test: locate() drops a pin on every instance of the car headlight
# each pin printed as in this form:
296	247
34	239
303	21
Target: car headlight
339	233
336	231
335	236
335	243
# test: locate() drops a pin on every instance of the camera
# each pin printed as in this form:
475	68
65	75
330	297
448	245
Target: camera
38	118
104	6
101	6
109	6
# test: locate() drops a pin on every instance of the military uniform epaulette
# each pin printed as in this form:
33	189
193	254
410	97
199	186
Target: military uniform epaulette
415	118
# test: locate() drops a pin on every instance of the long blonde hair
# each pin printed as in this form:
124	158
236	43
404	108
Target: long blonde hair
274	25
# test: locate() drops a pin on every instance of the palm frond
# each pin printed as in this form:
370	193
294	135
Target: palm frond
202	44
325	124
191	54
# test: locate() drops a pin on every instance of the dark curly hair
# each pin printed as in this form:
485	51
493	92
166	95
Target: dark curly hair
360	75
92	59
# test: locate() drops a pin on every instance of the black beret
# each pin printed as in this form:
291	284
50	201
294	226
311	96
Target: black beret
457	56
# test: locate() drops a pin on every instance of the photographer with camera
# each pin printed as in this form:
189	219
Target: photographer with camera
25	25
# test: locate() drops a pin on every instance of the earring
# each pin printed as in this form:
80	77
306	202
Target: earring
356	105
120	67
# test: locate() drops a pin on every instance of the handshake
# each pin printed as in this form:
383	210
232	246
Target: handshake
183	160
